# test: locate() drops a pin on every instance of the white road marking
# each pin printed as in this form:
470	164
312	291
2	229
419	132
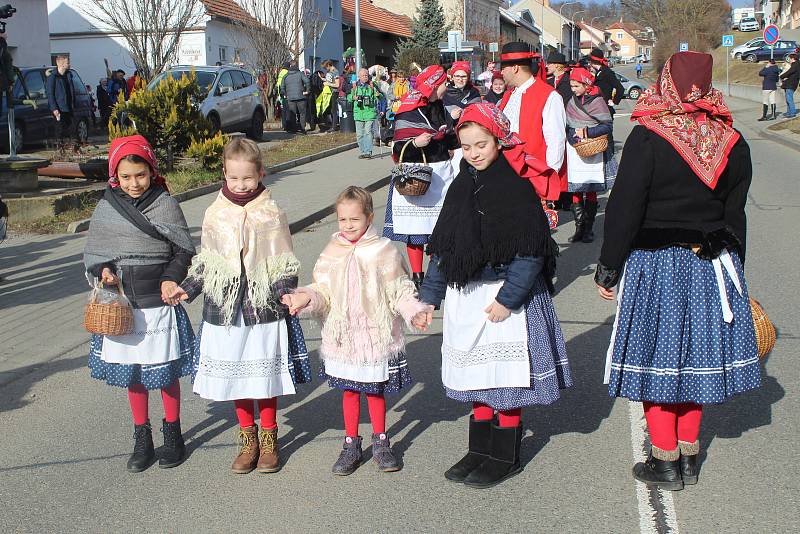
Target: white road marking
656	507
622	114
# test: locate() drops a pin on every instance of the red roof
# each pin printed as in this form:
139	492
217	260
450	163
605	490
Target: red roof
227	9
630	27
375	18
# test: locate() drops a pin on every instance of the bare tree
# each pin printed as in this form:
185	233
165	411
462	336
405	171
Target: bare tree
151	28
274	32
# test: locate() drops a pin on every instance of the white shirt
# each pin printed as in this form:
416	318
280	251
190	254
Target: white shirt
554	122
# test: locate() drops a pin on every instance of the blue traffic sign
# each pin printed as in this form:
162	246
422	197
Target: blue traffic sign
727	40
684	47
771	34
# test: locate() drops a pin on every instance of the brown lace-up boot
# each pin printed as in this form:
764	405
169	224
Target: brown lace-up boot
248	451
268	461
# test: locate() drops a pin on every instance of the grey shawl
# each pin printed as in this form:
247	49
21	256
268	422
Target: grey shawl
113	239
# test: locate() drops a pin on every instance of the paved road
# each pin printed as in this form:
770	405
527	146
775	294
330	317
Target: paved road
66	437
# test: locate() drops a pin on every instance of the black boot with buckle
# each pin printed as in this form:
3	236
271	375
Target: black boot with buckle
577	214
480	440
662	470
143	451
174	451
503	461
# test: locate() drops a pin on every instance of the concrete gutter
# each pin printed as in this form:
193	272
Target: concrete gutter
83	225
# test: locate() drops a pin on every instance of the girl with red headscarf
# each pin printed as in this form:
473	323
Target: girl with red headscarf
460	91
493	262
421	135
588	117
675	226
138	238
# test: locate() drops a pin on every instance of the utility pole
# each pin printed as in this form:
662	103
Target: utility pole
358	35
572	35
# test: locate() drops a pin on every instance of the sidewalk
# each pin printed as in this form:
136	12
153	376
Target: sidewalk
44	291
748	112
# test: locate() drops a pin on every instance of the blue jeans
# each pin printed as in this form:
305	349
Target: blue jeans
364	136
791	111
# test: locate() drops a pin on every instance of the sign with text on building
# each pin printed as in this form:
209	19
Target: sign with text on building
727	40
454	40
684	47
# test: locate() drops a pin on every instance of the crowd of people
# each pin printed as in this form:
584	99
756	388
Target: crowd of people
673	255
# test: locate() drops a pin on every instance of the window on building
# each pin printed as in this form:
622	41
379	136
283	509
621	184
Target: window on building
223	54
237	55
620	35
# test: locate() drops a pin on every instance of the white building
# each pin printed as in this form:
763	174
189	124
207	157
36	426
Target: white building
26	34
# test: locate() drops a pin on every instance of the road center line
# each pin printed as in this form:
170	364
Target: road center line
656	508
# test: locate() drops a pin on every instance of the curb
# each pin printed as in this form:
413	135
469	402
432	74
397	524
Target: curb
780	139
81	226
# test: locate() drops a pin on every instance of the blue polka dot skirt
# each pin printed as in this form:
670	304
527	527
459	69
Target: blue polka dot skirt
671	343
299	367
549	366
388	226
154	376
399	377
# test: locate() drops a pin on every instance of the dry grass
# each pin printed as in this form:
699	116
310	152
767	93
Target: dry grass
303	145
740	71
56	224
793	125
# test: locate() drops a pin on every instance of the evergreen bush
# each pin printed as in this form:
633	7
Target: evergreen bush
208	152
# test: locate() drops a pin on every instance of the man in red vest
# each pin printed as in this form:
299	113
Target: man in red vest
536	112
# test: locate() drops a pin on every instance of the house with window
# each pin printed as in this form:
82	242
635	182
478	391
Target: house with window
633	40
381	30
559	33
593	37
26	34
519	26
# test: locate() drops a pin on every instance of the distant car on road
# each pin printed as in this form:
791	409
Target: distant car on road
33	119
752	44
749	24
233	103
779	51
633	88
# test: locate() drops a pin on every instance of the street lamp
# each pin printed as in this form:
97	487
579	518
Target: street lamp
572	35
357	15
561	19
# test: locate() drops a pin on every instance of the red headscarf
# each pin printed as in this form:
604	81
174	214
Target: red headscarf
579	74
685	110
427	82
134	145
497	75
461	65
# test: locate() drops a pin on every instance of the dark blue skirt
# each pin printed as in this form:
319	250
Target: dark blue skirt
153	376
671	343
388	226
399	377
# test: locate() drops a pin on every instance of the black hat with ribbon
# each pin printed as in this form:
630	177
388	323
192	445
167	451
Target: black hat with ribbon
558	58
597	56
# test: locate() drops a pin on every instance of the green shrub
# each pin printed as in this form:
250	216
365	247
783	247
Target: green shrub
208	152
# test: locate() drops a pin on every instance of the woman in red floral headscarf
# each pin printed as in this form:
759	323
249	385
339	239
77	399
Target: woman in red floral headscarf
674	245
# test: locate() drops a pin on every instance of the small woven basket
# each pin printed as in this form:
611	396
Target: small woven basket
591	147
112	319
765	331
410	179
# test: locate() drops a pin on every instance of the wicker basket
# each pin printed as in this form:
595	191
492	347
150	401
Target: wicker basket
112	319
765	331
592	147
412	179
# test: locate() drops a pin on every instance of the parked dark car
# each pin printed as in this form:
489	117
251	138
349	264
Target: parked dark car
781	50
33	119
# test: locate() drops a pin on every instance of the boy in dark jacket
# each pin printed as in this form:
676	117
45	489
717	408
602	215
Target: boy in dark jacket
769	86
61	99
790	81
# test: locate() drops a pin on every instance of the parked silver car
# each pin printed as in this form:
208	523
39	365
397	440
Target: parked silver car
633	88
738	51
234	100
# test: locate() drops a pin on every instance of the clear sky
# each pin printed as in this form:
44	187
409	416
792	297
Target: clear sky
741	3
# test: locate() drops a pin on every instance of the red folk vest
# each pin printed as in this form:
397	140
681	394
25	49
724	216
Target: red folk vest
530	130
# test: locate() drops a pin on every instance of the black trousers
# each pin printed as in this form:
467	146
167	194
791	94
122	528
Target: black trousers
65	129
297	111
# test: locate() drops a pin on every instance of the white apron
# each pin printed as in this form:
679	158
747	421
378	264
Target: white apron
154	339
244	362
584	170
479	354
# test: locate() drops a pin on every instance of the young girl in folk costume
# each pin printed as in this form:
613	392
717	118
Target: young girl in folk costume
249	352
362	292
588	117
460	93
492	262
421	126
674	244
138	238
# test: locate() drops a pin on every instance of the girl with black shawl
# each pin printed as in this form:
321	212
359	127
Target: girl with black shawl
493	261
138	238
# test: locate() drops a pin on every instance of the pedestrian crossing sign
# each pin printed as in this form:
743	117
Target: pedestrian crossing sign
727	40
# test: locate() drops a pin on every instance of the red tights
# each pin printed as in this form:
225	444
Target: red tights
508	418
351	407
170	397
246	414
416	253
669	423
590	197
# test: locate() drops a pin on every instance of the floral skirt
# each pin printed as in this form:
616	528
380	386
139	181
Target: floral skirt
399	377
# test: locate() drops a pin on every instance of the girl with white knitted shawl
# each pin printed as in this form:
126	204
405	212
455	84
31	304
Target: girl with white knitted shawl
362	293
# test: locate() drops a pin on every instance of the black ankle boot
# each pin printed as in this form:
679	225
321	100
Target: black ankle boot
418	278
480	438
590	212
143	450
690	468
577	214
774	112
503	461
764	115
664	474
174	451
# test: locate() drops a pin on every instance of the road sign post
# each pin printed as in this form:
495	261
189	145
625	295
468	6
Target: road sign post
727	42
454	42
493	48
771	36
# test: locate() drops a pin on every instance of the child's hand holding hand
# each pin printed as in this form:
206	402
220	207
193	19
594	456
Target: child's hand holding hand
172	293
296	302
497	313
423	319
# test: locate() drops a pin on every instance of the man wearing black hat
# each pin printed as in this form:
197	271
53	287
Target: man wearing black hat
536	112
605	79
557	75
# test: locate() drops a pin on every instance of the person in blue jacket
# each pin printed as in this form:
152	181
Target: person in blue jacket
493	262
769	87
61	99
